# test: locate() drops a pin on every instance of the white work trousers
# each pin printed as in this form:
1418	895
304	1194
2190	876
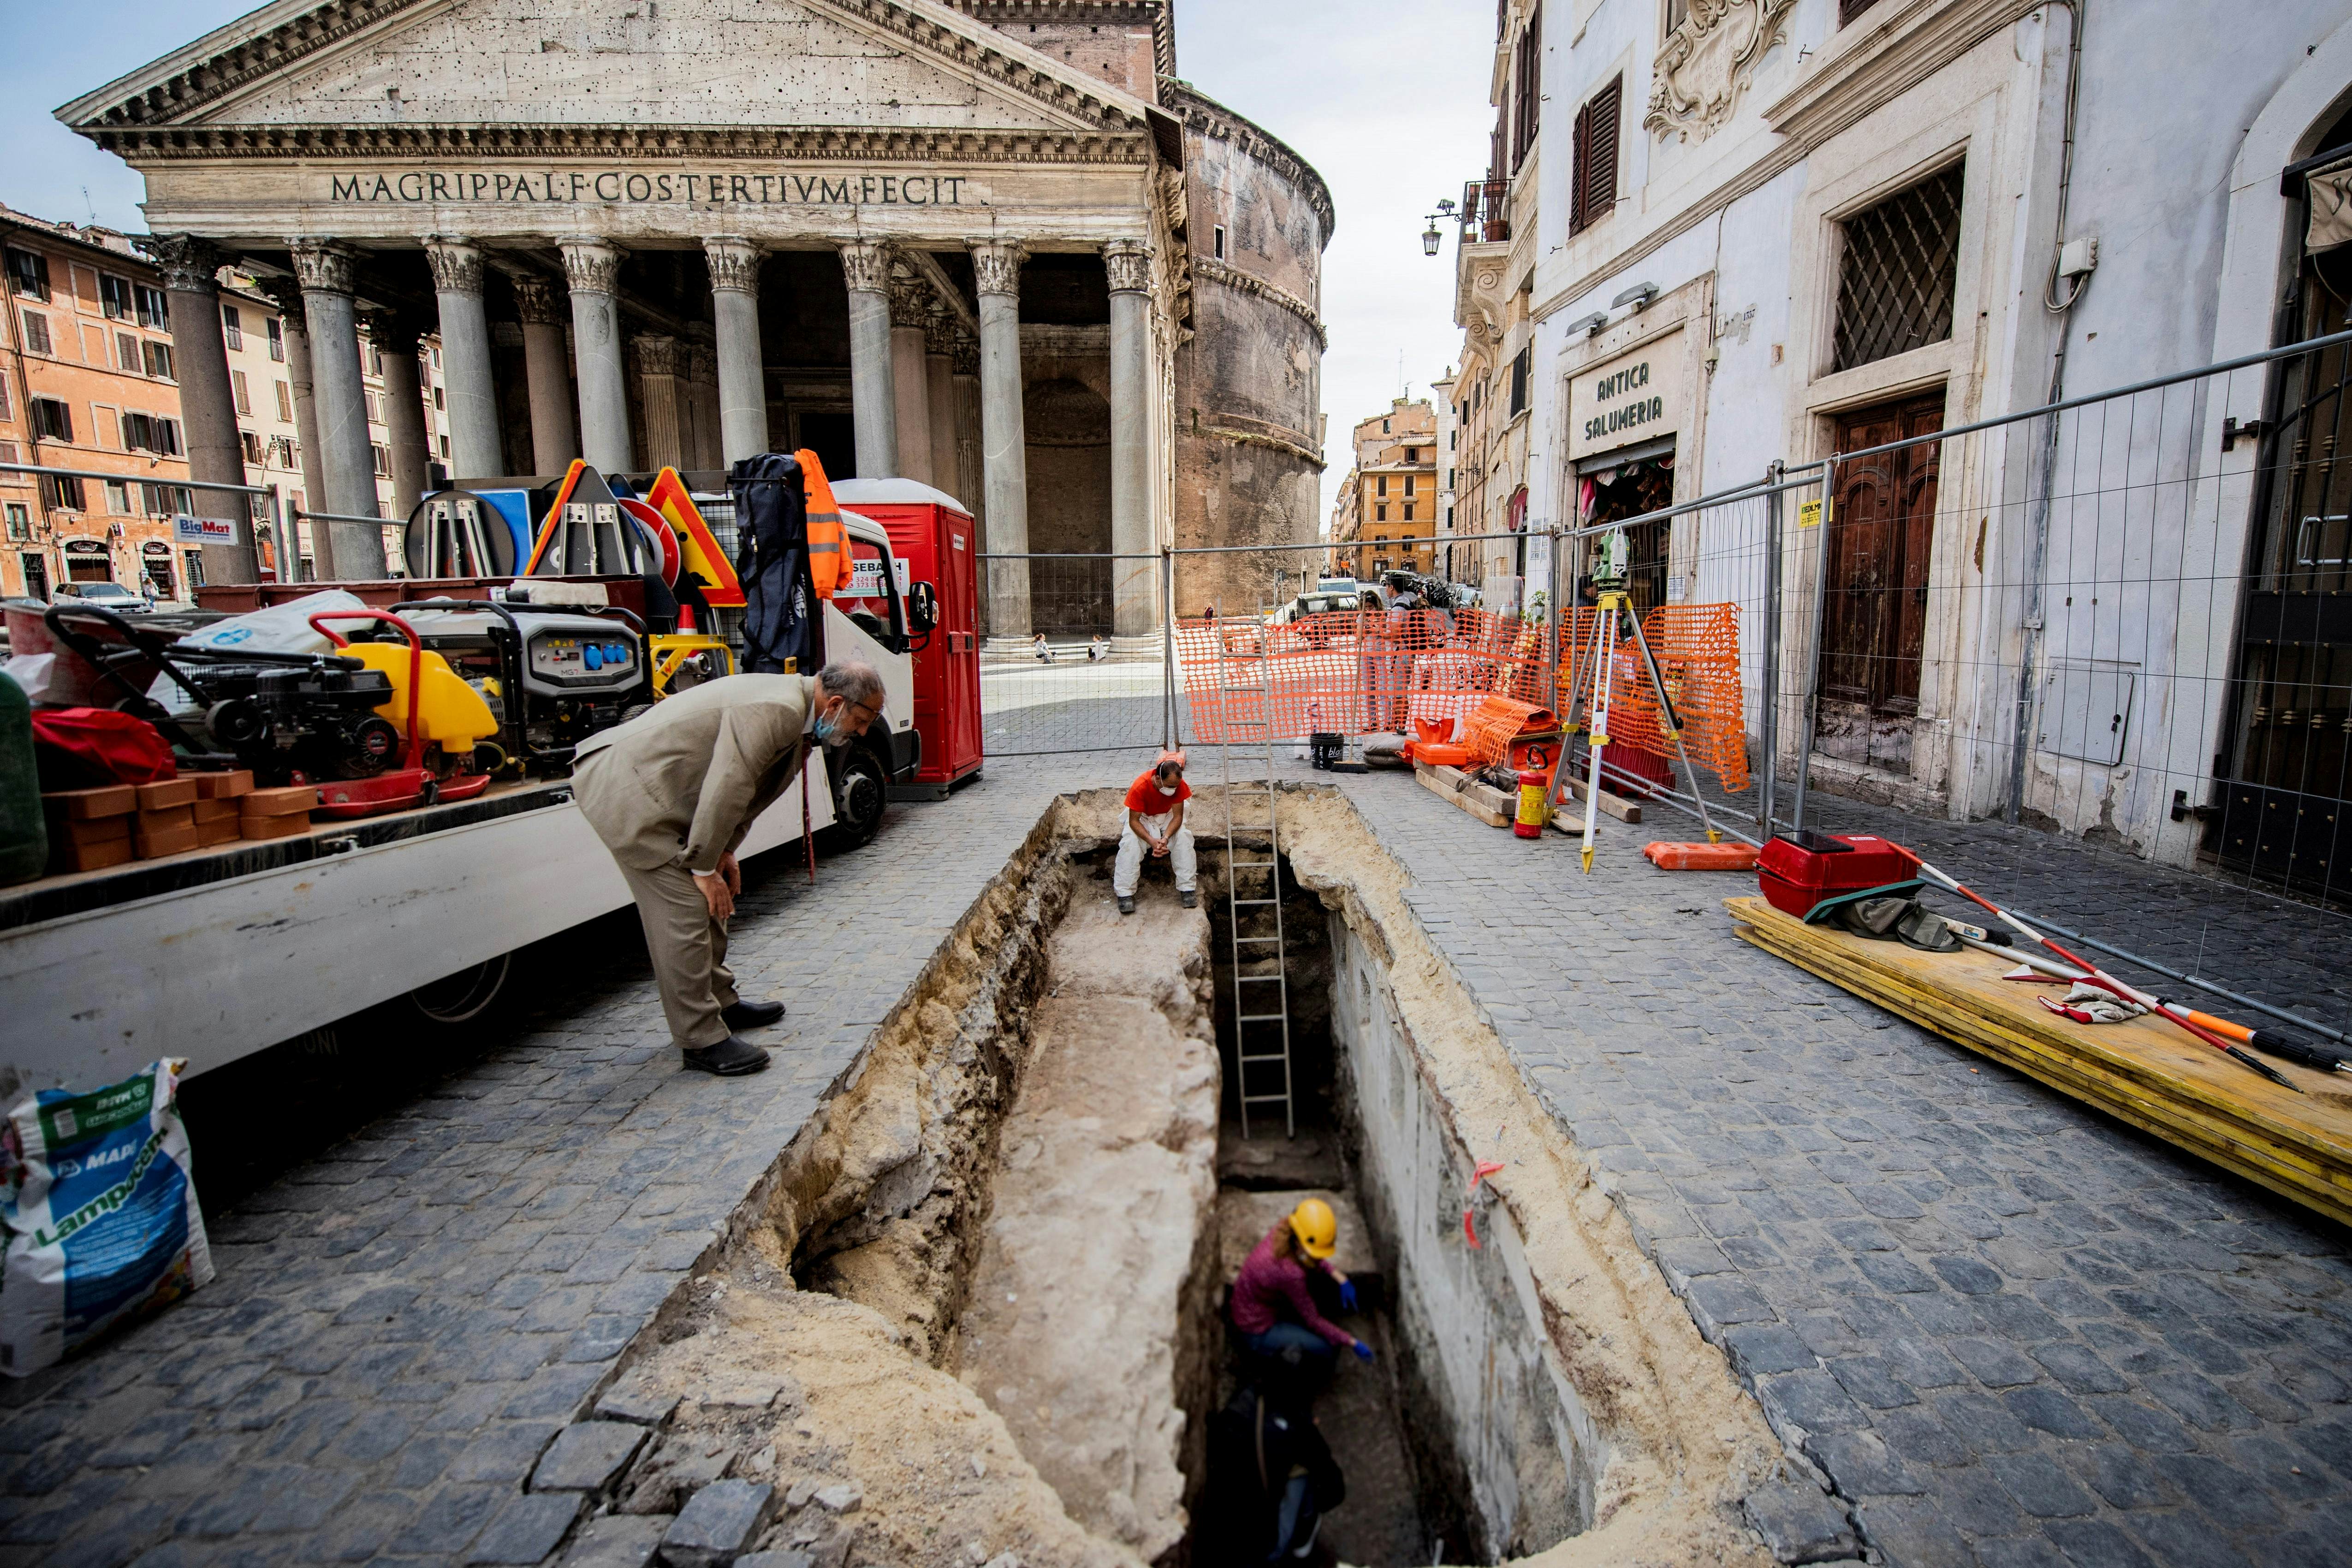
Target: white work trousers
1133	847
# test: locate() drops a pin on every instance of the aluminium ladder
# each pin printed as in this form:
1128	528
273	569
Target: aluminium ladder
1261	1023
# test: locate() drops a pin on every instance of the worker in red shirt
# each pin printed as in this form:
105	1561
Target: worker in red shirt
1273	1278
1155	821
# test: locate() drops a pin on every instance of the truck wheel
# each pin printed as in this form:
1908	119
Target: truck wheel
462	997
861	789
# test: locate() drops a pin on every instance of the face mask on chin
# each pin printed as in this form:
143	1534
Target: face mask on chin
828	730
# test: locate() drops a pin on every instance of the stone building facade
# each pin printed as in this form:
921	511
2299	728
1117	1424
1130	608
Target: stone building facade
949	242
1389	509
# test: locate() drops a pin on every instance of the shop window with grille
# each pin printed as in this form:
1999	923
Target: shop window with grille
1592	172
1897	277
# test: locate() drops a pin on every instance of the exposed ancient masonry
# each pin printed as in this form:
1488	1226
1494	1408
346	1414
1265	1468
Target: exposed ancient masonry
966	1321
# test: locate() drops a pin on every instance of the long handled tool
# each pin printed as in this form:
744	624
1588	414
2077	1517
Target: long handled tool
2100	978
2316	1058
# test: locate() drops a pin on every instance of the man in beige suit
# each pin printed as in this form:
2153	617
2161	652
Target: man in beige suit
672	791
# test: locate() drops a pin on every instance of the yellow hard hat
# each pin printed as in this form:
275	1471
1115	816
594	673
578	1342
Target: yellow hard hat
1317	1232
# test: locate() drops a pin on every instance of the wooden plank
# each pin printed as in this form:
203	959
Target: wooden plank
1615	806
2144	1072
1467	793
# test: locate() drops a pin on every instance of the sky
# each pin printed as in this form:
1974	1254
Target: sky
1387	101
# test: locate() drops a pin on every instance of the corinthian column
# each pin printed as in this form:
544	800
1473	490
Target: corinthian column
657	365
593	267
403	408
296	328
1135	604
1004	457
191	268
938	397
911	298
475	450
742	376
346	461
547	370
873	403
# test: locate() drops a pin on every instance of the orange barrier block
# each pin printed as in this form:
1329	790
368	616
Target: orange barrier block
1732	856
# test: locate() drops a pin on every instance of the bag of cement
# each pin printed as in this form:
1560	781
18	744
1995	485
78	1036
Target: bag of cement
99	1211
276	629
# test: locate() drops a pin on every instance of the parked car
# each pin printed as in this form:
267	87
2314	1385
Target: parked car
113	596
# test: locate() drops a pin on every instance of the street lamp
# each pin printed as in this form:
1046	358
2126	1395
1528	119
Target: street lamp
1430	237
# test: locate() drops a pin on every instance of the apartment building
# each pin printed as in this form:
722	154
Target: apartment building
1387	511
86	382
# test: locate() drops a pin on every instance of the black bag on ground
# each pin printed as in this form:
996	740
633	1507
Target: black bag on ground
1255	1446
771	559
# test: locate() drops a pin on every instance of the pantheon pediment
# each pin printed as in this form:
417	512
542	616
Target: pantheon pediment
402	70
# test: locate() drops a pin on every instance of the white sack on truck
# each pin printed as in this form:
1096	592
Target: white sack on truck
99	1205
273	628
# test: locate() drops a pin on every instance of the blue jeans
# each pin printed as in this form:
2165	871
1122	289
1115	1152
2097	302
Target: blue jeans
1295	1344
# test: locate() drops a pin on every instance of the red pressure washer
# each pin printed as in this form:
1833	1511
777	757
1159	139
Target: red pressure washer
411	784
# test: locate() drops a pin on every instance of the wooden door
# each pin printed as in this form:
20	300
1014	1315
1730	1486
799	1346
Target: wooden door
1875	620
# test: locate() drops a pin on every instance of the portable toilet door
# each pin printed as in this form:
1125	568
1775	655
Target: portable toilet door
931	533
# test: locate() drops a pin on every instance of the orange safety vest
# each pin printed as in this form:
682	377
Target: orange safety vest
826	565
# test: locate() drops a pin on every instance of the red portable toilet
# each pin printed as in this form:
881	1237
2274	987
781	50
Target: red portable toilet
932	533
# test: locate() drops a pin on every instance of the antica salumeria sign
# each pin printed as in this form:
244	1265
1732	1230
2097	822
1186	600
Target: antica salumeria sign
696	187
1633	397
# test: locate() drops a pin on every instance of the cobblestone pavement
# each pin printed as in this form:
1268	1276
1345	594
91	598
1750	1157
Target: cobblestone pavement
400	1326
2011	1331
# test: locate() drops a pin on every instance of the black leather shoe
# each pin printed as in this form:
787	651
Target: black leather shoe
741	1015
731	1057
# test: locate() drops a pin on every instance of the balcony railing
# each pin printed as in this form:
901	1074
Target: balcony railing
1486	210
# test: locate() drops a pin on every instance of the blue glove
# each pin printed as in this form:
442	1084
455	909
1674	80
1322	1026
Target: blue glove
1347	1295
1363	1350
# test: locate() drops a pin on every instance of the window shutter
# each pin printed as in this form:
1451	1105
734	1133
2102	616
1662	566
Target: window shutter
37	334
243	393
1579	154
1600	161
285	404
126	353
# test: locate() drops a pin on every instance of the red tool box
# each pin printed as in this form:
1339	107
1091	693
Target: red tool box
1798	871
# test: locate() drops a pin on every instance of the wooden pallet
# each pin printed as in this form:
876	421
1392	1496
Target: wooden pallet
2145	1072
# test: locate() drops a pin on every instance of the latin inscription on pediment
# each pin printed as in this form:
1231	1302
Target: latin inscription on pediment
641	186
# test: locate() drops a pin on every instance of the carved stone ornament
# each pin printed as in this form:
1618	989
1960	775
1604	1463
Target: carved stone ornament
321	268
910	296
391	333
866	265
996	266
658	355
535	301
286	293
938	330
701	365
734	264
456	264
188	264
1128	263
591	266
964	354
1707	62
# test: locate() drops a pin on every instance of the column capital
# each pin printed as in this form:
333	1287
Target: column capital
657	353
535	301
391	332
940	329
286	293
910	296
701	365
592	266
1128	263
867	266
456	263
321	267
734	263
996	265
964	354
188	264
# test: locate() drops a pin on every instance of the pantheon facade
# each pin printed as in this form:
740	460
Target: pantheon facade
994	246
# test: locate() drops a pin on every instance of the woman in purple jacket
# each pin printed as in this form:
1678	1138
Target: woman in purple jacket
1274	1277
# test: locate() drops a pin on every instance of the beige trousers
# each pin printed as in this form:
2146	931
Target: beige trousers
689	953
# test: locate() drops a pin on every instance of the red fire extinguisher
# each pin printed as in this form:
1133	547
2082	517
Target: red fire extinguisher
1534	810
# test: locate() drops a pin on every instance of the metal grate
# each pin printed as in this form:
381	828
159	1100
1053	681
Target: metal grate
1894	286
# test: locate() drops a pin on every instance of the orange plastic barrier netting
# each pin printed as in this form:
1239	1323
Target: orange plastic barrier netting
1497	722
1353	672
1697	649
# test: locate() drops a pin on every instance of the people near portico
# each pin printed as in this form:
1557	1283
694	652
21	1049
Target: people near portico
1155	825
1099	649
672	794
1042	648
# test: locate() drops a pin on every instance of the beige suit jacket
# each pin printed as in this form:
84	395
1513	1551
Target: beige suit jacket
681	785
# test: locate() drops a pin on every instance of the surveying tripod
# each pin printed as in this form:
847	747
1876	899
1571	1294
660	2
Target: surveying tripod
1588	692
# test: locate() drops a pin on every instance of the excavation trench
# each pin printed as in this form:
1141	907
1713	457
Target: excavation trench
974	1309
